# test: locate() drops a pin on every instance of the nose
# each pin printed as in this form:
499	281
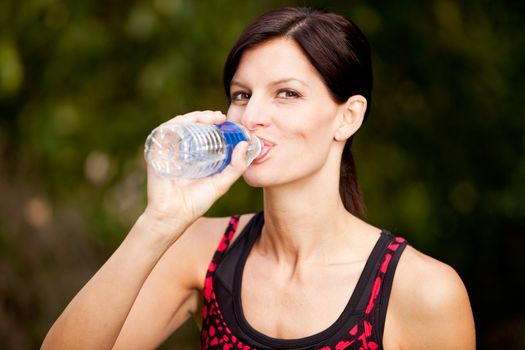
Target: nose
255	115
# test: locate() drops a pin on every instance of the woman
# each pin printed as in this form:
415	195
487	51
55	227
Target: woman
307	273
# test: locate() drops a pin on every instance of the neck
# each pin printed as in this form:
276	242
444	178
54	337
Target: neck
303	220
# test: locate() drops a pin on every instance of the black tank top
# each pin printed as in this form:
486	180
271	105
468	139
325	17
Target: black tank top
360	325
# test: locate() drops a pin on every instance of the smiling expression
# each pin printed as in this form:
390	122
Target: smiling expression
280	97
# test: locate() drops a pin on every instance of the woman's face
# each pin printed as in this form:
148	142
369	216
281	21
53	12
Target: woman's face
279	96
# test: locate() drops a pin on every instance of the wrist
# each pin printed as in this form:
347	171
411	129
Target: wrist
165	228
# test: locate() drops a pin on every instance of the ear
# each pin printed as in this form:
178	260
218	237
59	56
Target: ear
352	115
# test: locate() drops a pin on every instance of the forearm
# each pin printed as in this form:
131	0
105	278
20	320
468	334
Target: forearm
94	318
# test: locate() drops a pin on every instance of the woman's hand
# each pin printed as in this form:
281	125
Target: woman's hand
172	201
172	206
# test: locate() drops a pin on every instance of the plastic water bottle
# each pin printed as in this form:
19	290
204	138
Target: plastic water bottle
196	150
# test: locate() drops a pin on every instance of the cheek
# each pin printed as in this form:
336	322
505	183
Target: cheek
308	148
300	153
314	140
314	134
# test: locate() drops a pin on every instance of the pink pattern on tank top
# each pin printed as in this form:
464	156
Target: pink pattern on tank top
216	335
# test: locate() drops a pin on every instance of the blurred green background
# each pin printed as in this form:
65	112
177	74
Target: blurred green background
441	161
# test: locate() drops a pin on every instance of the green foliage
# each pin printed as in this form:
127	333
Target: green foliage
441	160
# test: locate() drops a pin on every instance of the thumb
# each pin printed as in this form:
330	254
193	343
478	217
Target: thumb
238	165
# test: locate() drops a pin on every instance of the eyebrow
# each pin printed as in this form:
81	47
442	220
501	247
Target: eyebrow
238	83
277	82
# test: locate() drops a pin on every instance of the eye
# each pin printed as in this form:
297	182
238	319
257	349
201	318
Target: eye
288	94
240	96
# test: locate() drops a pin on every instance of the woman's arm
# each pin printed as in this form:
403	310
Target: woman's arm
172	291
95	317
429	307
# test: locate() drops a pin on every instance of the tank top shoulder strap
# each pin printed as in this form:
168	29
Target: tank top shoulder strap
246	236
223	251
383	281
226	238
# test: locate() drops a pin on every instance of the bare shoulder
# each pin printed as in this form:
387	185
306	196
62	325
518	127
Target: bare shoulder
429	306
428	282
199	242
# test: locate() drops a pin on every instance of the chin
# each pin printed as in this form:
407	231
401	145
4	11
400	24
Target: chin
265	177
254	181
258	178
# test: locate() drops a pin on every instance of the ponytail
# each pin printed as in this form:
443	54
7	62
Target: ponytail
348	187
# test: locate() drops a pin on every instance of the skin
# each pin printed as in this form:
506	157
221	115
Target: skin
310	264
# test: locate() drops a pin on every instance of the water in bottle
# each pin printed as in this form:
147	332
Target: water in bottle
196	150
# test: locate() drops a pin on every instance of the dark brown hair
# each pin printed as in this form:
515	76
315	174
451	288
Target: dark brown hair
339	51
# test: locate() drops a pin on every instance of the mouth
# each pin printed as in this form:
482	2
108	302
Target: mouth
266	148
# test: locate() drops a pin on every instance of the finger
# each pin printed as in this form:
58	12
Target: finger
210	117
207	117
238	165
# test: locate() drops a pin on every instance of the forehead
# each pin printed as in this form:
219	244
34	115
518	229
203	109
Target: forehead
275	59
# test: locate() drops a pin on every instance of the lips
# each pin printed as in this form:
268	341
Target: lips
266	148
